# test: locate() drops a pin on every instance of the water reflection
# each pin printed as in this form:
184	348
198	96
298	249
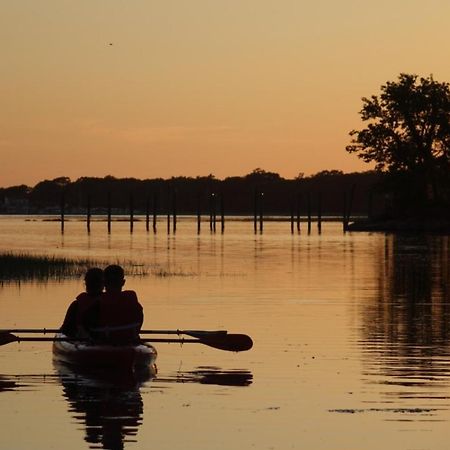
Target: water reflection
211	375
108	404
406	327
9	383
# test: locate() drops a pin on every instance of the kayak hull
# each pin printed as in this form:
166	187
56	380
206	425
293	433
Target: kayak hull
118	357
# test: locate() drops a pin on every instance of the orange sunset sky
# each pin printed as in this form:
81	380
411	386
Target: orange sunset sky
149	88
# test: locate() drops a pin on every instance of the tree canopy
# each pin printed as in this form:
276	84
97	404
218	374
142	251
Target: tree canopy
409	124
408	130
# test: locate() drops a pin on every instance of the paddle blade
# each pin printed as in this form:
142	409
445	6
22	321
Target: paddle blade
7	338
229	342
204	334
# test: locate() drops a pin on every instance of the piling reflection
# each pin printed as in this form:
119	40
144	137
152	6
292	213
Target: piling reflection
109	405
406	327
25	382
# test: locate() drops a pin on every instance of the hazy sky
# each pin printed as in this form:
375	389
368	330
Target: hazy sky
149	88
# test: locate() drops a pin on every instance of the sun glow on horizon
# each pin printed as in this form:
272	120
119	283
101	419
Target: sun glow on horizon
149	90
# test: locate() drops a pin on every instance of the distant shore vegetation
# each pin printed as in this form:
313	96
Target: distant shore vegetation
236	195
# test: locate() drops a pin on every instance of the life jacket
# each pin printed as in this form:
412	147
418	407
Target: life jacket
120	317
84	302
73	325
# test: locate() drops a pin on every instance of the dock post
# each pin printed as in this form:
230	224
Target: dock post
292	215
261	212
214	212
168	212
309	212
63	206
155	211
147	214
222	214
210	200
108	207
199	213
174	210
88	213
131	213
255	211
319	213
298	212
344	214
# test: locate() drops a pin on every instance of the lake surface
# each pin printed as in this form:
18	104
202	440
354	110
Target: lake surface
351	341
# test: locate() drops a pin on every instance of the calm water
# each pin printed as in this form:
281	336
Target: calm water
351	332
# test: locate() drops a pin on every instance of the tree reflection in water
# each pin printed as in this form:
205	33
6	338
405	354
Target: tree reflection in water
406	327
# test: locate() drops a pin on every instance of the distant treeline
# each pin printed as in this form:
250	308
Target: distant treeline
189	195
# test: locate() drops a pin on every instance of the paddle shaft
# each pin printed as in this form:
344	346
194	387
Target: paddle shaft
57	339
56	330
229	342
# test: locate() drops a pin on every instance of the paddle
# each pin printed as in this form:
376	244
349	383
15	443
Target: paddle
222	341
193	333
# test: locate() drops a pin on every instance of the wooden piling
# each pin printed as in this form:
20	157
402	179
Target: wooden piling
63	207
214	212
88	213
210	202
261	212
222	214
131	213
255	211
174	210
292	216
147	214
155	211
168	212
298	212
199	213
309	212
319	212
108	207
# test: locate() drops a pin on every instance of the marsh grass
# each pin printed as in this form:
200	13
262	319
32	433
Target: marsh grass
27	267
162	272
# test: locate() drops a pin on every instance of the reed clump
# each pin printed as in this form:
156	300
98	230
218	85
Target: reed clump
16	267
22	266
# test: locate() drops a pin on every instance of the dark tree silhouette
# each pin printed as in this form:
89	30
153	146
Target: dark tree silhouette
191	193
408	136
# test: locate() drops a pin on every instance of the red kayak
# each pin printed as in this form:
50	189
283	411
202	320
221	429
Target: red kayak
118	357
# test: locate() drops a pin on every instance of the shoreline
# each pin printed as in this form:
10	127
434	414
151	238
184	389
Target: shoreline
410	225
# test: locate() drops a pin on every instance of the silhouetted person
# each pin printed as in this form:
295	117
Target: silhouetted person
117	317
73	322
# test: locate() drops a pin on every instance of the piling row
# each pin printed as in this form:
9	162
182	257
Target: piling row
216	205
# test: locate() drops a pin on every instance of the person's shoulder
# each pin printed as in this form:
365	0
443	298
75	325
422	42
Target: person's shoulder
73	305
129	295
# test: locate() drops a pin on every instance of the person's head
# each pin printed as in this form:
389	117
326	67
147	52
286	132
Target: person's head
94	281
114	278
